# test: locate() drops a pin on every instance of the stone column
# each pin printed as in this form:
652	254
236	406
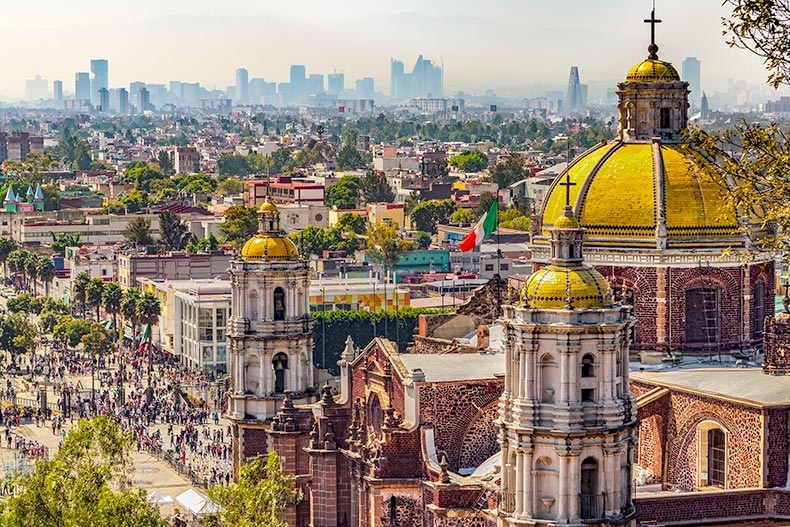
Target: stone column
528	489
563	500
661	307
519	482
611	477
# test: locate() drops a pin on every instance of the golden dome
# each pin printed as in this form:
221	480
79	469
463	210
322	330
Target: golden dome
566	222
268	206
652	70
554	287
616	199
265	247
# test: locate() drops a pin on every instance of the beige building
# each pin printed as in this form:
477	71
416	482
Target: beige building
96	229
387	214
186	160
296	217
171	266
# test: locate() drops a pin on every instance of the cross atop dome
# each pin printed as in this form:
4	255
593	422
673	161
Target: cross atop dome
652	49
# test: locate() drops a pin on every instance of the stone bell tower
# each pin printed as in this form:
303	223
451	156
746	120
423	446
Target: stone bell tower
567	417
270	332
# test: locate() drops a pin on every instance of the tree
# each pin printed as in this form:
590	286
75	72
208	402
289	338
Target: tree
31	270
7	246
352	222
349	157
17	335
205	245
463	217
111	299
230	187
508	170
47	320
241	224
175	233
385	247
469	161
149	307
94	293
142	177
260	497
129	309
428	214
233	165
423	240
486	199
79	288
412	200
98	342
165	162
19	304
71	330
138	232
61	240
45	269
375	189
343	194
87	482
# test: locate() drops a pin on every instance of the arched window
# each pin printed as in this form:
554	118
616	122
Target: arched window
252	375
588	366
279	304
279	365
547	373
592	502
703	315
716	457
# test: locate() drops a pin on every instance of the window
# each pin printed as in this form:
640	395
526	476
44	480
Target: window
279	304
716	457
759	308
503	267
489	267
703	312
588	395
220	317
592	503
279	365
665	118
588	369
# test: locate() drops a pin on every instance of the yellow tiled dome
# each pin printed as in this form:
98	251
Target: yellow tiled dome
652	70
553	286
566	222
268	206
616	199
265	247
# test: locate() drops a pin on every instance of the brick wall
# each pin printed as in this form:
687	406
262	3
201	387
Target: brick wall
693	508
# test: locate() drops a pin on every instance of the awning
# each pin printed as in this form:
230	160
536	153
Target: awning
197	503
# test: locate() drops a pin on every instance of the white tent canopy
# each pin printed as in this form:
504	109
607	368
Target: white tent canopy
157	498
197	503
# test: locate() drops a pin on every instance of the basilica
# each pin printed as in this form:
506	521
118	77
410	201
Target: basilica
544	422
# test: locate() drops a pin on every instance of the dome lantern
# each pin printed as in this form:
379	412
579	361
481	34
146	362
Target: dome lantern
268	244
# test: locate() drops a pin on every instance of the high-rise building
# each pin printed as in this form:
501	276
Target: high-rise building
364	87
103	100
336	83
82	86
36	89
574	98
101	77
691	74
704	108
57	92
425	80
315	84
298	81
143	100
242	85
123	101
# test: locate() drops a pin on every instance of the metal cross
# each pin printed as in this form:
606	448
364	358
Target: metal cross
653	21
567	184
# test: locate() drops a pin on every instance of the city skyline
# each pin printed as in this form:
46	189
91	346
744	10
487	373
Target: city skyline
517	46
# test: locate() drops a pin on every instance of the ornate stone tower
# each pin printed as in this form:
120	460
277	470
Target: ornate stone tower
567	417
270	332
776	359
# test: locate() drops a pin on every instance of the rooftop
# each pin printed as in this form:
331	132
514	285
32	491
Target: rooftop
456	367
743	384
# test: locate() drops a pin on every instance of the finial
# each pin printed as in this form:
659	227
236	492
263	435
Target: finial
786	299
652	49
444	473
567	184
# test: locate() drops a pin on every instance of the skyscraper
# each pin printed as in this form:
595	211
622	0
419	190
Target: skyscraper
123	101
143	100
298	81
82	86
704	108
57	92
397	79
574	98
101	78
691	74
242	85
103	99
337	84
425	80
36	88
315	84
365	88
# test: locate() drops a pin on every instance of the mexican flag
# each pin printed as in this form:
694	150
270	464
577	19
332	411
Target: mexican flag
484	227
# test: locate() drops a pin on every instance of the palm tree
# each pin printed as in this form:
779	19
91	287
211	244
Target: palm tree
31	270
7	246
45	268
129	309
16	262
93	294
149	307
79	288
111	298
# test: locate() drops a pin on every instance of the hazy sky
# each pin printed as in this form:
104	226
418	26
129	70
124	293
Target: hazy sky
500	44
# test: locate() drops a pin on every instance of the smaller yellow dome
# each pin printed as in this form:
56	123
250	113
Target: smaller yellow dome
268	206
263	247
550	287
653	70
566	222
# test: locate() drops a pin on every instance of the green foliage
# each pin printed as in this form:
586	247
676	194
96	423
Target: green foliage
47	321
138	232
149	307
260	497
385	246
7	246
94	294
338	324
412	200
352	222
175	234
111	300
486	199
230	187
509	170
349	157
241	224
71	330
463	217
98	341
203	245
17	334
61	240
86	483
343	194
79	287
429	214
423	240
315	240
173	140
469	161
143	176
19	303
375	189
